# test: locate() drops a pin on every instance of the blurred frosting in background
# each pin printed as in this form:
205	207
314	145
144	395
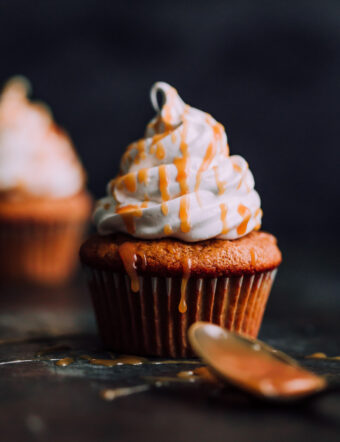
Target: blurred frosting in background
36	156
180	181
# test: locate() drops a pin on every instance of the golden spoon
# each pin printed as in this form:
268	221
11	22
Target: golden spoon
252	365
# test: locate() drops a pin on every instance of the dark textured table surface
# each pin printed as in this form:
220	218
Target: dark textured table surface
45	402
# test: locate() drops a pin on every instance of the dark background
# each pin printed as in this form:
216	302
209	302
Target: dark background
268	70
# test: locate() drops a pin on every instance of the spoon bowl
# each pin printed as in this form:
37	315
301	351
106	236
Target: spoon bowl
252	365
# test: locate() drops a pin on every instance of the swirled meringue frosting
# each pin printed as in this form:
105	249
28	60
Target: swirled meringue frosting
37	158
179	180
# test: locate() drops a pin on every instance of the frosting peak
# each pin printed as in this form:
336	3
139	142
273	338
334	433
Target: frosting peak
179	180
36	156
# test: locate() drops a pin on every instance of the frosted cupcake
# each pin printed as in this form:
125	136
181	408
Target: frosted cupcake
178	237
44	206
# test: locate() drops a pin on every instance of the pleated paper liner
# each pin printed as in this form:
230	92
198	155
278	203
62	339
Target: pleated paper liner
149	322
39	252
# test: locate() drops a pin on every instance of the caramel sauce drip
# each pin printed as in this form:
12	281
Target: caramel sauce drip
107	206
140	151
253	257
224	211
246	214
257	213
143	176
130	182
164	208
181	163
127	252
184	213
167	229
163	183
237	168
64	362
173	137
182	307
221	185
208	157
128	213
160	151
182	174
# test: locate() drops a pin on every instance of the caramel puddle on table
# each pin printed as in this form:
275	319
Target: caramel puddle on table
320	355
122	360
64	362
53	349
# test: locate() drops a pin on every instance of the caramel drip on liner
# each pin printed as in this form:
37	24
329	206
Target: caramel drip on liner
246	214
182	307
184	213
128	254
224	211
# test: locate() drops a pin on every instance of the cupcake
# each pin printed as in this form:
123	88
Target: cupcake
44	206
178	237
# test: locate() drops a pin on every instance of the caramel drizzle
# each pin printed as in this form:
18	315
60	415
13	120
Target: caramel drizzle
163	183
130	182
221	185
164	208
237	168
184	205
210	153
182	307
128	254
128	214
181	163
143	176
224	211
246	214
258	213
167	229
160	151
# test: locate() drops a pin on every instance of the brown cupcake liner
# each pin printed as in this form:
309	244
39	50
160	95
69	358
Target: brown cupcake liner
39	252
149	322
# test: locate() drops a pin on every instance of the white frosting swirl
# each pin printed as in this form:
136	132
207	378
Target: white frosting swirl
36	157
180	181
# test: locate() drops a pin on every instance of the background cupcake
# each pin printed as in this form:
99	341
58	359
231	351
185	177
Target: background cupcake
43	203
179	183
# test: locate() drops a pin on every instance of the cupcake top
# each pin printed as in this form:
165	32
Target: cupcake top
179	180
37	158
